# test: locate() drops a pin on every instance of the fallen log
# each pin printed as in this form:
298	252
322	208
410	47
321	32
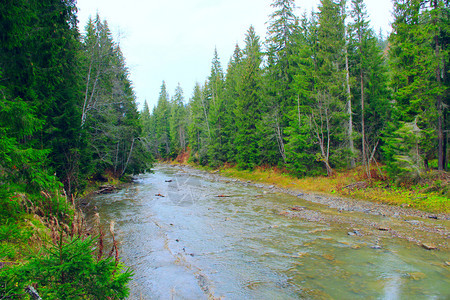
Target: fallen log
33	293
357	185
106	189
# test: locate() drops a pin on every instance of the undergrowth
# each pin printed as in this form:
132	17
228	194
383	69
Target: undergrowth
430	194
45	245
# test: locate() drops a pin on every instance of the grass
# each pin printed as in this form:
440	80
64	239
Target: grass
429	196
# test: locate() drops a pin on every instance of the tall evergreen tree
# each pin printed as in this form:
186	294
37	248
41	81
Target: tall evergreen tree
326	115
371	88
301	147
162	127
419	61
279	73
215	90
177	123
248	103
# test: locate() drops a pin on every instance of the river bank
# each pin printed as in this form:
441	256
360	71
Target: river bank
194	234
360	217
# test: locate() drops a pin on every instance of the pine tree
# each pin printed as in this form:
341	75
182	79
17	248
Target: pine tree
301	146
283	26
162	127
199	130
419	60
326	113
231	94
215	90
177	123
371	88
248	103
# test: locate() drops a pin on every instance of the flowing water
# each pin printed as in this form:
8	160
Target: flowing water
193	244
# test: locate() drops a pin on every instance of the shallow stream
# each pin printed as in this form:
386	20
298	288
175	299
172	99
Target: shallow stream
188	235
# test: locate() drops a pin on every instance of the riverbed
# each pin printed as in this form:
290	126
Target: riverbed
189	234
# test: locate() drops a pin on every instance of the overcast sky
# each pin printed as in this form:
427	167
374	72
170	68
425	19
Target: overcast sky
174	40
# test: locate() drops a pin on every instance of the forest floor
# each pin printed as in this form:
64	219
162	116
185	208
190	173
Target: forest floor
365	208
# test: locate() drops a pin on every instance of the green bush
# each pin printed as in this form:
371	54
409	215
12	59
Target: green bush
67	271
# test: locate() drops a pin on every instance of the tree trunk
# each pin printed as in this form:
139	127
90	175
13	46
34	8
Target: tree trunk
441	154
350	113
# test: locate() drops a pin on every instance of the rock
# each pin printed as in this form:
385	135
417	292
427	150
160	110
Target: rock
429	246
433	217
413	222
417	275
354	232
383	228
298	208
170	180
447	263
376	247
159	195
328	256
300	194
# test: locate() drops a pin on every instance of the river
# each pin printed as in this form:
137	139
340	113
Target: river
191	235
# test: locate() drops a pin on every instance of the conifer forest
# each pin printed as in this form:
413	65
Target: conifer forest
320	93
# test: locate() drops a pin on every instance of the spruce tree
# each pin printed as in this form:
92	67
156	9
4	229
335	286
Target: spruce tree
215	90
248	103
370	90
419	60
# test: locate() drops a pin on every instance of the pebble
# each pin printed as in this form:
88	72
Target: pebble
413	222
429	246
354	232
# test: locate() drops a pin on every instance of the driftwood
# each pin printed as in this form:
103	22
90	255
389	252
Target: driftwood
357	185
33	293
298	208
106	189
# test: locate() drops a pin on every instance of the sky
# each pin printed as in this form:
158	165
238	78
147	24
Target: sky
174	41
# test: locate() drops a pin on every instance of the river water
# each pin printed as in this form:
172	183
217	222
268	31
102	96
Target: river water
192	243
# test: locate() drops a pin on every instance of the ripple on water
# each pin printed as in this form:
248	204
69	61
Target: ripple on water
240	247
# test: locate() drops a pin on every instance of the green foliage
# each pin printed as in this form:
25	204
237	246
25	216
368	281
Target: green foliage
419	62
109	111
406	163
67	271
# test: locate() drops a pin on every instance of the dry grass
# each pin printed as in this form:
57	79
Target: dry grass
355	184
